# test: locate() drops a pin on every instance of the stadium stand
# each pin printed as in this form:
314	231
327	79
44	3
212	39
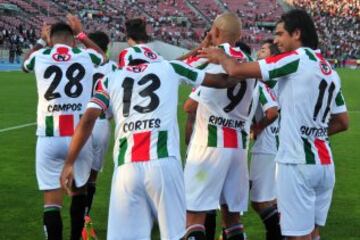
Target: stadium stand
183	22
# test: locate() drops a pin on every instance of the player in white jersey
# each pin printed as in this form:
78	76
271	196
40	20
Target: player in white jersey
312	108
216	165
148	180
64	83
262	165
135	30
101	131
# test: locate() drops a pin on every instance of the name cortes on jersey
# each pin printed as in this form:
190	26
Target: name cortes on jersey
64	83
222	115
308	98
143	100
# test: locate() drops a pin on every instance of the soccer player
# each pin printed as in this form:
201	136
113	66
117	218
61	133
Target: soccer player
136	37
216	165
101	131
148	179
64	82
312	108
262	166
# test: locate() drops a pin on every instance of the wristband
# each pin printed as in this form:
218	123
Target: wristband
81	36
41	42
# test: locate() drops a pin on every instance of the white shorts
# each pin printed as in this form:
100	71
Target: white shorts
143	192
100	140
262	177
50	156
304	195
216	176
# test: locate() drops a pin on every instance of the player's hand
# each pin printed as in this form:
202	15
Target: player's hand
206	42
66	178
213	54
45	32
75	23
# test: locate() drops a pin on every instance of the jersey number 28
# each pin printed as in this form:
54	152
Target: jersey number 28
74	74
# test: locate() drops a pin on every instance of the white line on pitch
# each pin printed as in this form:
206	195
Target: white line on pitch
17	127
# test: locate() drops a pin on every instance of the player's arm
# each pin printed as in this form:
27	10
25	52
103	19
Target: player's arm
230	65
99	103
338	123
77	28
270	115
190	107
29	58
339	119
82	133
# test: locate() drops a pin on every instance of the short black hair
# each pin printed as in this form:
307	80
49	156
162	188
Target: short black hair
301	20
101	39
274	50
136	30
244	47
61	28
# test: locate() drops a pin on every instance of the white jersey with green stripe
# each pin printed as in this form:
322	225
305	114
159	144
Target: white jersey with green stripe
64	84
268	140
143	100
223	115
309	92
99	72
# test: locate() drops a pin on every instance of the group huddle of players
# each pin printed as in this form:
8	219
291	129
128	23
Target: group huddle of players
284	100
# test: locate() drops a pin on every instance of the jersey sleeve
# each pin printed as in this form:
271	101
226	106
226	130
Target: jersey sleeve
100	99
96	58
267	98
273	68
187	73
338	104
29	63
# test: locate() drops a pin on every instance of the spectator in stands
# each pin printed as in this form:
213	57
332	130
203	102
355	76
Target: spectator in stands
12	51
18	52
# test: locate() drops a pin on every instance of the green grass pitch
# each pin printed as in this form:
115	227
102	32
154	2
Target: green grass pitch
21	202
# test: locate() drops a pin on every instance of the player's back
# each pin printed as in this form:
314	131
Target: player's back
307	98
64	83
223	115
143	99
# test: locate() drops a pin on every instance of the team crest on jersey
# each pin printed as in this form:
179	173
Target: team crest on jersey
61	55
325	68
137	68
150	54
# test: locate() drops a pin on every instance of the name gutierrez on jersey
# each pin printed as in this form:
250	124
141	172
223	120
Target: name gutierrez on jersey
313	131
64	107
231	123
141	124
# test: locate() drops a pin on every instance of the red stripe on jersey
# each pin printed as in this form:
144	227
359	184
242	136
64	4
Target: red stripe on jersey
235	53
122	58
66	125
141	148
278	57
230	138
323	152
191	59
320	56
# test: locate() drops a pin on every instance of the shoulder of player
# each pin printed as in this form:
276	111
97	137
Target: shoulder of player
235	52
